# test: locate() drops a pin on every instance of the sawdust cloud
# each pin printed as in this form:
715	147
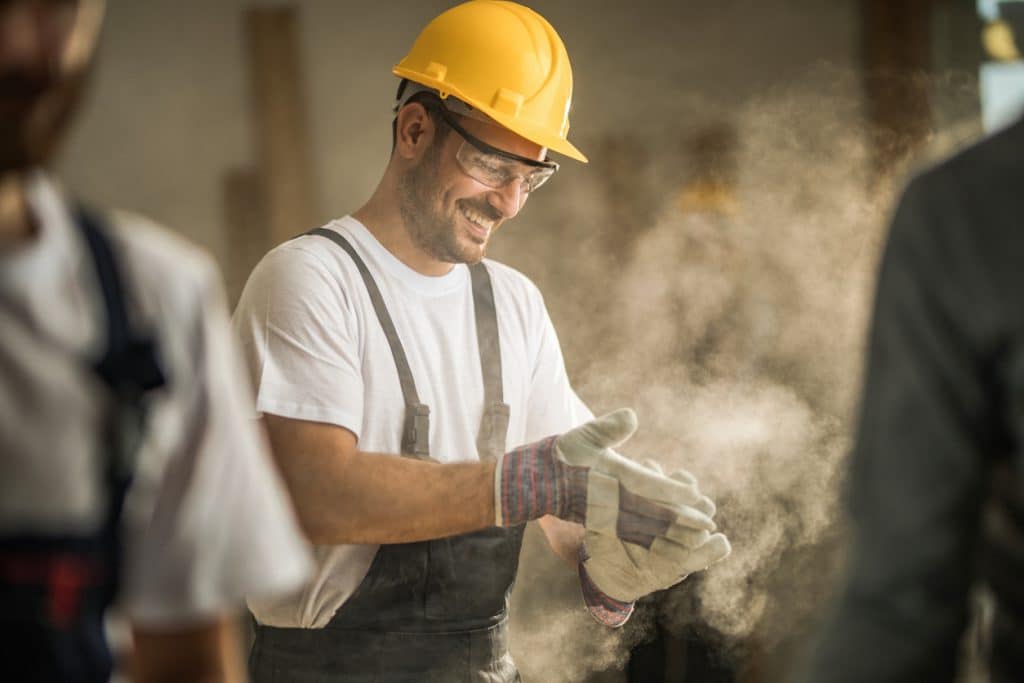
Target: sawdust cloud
736	332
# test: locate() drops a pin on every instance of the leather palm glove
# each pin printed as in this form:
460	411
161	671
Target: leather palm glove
614	574
578	477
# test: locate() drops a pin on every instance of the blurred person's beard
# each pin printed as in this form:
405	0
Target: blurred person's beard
35	110
432	229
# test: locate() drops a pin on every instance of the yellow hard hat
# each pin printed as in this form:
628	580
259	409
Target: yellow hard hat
503	59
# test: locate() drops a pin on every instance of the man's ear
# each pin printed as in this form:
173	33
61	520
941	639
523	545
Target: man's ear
414	130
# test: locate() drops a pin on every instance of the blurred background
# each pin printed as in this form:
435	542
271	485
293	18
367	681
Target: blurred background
712	266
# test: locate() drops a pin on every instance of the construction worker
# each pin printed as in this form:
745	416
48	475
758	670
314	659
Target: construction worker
399	373
128	466
936	491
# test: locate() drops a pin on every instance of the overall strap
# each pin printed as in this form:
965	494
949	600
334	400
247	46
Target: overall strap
494	425
128	364
416	432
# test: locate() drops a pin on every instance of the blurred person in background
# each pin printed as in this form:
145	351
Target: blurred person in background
936	491
399	373
128	467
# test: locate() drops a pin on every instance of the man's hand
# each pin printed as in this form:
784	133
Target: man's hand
614	573
577	477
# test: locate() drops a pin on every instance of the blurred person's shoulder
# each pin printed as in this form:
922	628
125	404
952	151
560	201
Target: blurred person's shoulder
166	272
958	227
994	155
990	170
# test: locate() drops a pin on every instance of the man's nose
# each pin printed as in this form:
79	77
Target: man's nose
509	198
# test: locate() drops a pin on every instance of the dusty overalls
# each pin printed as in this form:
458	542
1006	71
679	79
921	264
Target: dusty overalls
433	611
54	589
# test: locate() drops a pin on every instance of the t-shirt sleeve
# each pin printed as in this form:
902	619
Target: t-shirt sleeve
219	525
553	404
299	338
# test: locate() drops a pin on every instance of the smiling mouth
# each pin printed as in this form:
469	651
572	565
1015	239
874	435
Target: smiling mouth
481	224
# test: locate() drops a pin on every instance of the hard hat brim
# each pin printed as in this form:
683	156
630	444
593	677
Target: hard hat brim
519	127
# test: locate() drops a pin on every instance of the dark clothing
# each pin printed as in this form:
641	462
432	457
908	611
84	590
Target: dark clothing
459	583
55	588
329	655
935	479
430	612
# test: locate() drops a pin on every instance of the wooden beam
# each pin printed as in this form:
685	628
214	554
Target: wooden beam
245	218
284	158
897	59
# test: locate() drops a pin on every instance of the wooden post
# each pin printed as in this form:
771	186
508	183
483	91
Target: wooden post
897	58
284	158
245	218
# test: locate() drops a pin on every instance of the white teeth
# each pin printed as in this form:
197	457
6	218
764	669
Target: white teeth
477	218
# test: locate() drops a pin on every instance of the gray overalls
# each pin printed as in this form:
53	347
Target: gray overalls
433	611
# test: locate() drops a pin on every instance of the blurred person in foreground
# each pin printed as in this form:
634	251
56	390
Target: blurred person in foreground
416	397
128	467
936	490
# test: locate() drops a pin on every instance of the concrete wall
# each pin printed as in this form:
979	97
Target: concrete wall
169	115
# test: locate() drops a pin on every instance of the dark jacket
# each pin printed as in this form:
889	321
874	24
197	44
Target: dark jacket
934	487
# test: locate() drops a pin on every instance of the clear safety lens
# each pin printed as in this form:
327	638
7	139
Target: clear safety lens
494	171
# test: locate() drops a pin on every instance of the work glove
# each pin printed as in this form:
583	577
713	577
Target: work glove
578	477
614	573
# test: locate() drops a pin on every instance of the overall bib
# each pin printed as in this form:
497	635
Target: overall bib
426	612
55	588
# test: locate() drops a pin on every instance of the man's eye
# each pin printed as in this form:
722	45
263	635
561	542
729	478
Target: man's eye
496	174
489	167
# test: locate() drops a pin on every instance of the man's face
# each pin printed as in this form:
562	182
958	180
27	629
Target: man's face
450	215
45	49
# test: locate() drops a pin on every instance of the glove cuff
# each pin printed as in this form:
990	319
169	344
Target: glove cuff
604	608
529	483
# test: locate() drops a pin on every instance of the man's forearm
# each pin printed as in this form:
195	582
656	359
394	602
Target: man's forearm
343	495
378	498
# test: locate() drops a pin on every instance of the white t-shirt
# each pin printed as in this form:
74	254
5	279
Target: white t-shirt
317	352
207	520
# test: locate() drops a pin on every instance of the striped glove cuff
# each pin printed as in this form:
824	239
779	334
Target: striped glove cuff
532	482
604	608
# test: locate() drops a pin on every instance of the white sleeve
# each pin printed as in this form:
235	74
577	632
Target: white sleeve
218	524
554	406
299	339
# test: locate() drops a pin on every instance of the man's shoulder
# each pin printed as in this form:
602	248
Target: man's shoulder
309	253
300	266
305	273
505	278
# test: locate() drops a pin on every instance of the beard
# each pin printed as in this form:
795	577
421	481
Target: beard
34	113
429	225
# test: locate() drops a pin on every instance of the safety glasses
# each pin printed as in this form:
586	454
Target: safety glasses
495	167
